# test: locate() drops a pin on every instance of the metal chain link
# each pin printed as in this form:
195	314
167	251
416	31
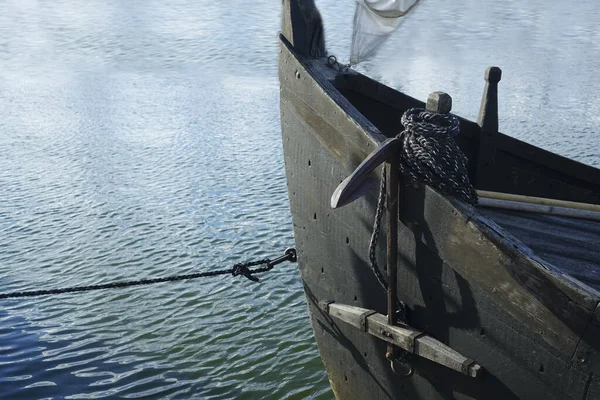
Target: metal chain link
235	270
333	63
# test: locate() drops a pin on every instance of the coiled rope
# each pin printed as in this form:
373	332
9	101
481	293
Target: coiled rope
430	155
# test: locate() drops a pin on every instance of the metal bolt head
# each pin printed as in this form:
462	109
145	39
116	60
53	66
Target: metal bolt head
439	102
475	371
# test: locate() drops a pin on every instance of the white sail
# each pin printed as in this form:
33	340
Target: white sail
374	22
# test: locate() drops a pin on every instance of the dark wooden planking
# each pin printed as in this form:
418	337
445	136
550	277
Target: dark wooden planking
534	293
335	242
571	245
371	94
355	363
348	135
387	119
551	160
371	89
526	176
374	104
327	265
332	250
455	311
593	389
587	356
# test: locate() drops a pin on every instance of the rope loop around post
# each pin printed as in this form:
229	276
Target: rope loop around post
430	155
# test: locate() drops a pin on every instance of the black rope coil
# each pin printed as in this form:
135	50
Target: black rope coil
430	155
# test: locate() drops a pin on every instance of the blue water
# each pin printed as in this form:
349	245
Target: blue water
141	139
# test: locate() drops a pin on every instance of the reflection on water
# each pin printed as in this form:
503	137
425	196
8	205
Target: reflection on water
141	139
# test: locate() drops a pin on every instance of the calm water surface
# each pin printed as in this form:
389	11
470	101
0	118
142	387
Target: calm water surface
141	139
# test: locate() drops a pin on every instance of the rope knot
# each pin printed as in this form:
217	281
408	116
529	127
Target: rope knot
242	269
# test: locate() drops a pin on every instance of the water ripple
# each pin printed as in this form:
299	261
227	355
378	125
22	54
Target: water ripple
120	175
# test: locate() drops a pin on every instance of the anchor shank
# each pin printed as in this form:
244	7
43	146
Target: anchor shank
392	172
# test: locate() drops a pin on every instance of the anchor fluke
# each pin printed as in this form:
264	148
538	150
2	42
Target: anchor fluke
354	186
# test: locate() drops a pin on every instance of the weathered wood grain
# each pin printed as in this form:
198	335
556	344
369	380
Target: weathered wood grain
332	257
484	254
540	209
529	173
569	244
350	139
539	200
444	304
412	340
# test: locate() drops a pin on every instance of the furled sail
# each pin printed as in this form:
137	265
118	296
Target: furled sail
374	22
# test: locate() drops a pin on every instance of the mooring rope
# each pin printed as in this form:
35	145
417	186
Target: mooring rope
240	269
428	155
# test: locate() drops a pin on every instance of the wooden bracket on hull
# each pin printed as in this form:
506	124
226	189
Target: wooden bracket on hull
405	337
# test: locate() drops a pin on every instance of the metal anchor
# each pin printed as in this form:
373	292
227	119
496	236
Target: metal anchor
345	193
352	188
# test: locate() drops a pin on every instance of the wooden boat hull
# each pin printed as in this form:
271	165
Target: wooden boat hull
466	282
